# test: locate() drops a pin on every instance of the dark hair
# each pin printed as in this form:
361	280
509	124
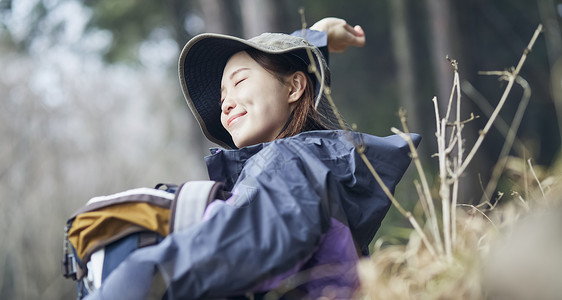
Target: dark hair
304	116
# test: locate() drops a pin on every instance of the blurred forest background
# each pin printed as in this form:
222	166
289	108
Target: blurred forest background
91	105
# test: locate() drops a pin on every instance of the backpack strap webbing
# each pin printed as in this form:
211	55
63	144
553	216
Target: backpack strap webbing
190	202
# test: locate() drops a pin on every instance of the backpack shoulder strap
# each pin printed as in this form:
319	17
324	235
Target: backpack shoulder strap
190	202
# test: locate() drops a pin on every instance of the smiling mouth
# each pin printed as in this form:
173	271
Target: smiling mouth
234	118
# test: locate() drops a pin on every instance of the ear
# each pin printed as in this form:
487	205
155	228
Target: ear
297	86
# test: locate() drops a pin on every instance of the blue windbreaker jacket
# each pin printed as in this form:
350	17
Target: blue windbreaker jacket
301	207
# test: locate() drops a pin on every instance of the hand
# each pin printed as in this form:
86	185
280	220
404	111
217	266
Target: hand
340	34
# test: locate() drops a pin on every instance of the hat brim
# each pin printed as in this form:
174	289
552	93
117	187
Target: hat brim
201	66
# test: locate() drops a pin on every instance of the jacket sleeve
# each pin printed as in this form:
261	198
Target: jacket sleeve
272	223
317	38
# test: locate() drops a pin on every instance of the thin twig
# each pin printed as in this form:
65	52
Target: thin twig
511	135
449	105
536	177
417	162
436	106
512	76
425	185
399	207
523	202
482	188
525	179
481	212
460	151
423	201
444	189
470	119
483	104
451	146
489	203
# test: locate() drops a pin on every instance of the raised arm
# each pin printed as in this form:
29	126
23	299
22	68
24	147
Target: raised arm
333	35
340	34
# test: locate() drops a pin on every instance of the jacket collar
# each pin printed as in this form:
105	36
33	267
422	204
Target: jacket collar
225	165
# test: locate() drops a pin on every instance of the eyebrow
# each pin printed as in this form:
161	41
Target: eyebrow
238	71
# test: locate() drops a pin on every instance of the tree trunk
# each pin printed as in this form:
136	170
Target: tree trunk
258	16
553	38
441	29
404	62
215	16
438	12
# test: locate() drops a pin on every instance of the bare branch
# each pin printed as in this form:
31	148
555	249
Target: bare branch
512	77
427	192
460	152
481	212
436	114
399	207
483	105
472	118
511	135
536	178
423	201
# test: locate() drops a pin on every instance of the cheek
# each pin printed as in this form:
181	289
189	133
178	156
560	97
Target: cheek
276	108
223	120
274	101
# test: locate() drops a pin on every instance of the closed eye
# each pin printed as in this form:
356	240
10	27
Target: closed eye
239	81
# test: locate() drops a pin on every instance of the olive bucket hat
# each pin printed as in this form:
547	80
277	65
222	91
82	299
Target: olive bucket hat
201	66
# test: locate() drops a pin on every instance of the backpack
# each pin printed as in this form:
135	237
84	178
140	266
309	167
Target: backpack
101	234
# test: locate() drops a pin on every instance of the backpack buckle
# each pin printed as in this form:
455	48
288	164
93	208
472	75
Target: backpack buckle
69	265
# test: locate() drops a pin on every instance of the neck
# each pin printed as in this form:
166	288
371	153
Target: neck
286	124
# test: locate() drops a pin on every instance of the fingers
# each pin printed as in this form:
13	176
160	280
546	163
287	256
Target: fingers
349	29
356	31
341	35
359	40
359	31
356	35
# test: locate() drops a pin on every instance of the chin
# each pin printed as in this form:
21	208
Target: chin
240	143
244	141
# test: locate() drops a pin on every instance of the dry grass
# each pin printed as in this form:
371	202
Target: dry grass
511	253
411	272
455	254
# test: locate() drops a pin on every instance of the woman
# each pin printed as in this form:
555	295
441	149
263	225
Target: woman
301	204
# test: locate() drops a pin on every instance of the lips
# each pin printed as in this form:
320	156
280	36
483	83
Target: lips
233	118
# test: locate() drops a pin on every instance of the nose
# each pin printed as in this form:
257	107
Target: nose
227	105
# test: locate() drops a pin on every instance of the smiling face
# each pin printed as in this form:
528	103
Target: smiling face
255	105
